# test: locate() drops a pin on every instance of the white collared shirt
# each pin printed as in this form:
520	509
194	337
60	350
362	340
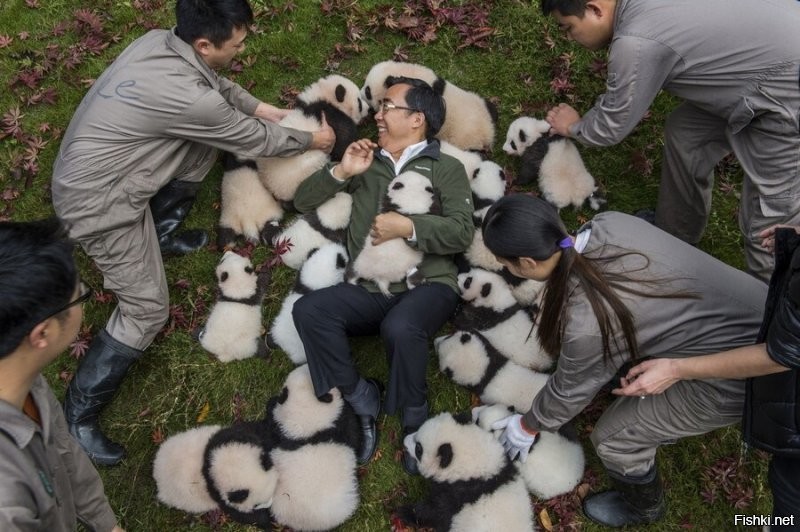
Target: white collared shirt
407	154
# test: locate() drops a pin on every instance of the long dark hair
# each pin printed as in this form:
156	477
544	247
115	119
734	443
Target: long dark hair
519	225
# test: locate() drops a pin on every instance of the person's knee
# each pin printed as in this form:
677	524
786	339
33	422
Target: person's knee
304	310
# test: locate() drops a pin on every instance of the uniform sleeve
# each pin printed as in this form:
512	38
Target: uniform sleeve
211	120
17	505
451	232
91	504
237	96
637	70
317	189
580	373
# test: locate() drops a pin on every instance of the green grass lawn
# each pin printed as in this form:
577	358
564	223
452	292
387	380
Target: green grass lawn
51	50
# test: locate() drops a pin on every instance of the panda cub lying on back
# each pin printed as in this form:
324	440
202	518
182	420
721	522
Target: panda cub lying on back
394	260
474	486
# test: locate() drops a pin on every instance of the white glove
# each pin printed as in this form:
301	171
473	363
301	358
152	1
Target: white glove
516	439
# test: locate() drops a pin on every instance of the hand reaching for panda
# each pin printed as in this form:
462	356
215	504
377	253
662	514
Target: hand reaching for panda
517	440
270	113
356	159
561	119
324	138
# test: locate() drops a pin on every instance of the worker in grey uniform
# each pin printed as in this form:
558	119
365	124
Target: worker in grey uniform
736	65
128	170
620	291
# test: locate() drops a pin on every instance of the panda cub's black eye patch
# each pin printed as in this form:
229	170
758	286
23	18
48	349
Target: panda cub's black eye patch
223	277
522	136
284	395
486	289
418	451
248	269
397	186
467	282
465	338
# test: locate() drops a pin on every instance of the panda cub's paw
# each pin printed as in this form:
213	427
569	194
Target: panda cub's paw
406	514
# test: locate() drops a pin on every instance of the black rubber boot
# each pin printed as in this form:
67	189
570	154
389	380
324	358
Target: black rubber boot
169	207
633	501
97	378
413	418
366	403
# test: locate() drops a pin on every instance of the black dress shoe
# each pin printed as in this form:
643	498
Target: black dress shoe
369	427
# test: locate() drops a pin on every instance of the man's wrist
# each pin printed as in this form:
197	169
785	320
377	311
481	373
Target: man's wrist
527	428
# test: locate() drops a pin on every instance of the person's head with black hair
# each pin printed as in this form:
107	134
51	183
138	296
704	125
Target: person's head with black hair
216	29
38	279
421	98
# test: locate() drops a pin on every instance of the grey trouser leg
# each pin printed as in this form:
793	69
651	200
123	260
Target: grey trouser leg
694	142
631	429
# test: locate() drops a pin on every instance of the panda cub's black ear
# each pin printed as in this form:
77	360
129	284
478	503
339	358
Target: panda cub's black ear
463	418
248	269
223	277
486	289
340	93
284	395
445	454
341	262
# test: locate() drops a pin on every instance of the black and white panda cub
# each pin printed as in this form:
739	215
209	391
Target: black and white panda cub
247	207
233	330
394	260
324	267
340	100
474	486
324	225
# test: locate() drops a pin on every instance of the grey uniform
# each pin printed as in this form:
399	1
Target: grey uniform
726	314
46	480
157	113
736	65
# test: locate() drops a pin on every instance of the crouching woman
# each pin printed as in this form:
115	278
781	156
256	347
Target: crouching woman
619	291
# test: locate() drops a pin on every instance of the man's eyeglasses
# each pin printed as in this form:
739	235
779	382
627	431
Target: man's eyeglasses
85	293
386	106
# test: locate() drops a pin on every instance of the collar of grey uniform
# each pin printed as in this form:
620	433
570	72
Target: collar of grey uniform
20	427
185	50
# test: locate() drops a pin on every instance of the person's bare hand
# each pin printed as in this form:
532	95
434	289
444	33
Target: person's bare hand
650	377
270	113
561	117
767	236
324	137
390	225
356	159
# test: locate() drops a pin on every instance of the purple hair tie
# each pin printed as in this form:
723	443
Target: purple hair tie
566	242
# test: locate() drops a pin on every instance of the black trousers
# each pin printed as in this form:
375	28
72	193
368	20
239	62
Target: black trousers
784	479
326	318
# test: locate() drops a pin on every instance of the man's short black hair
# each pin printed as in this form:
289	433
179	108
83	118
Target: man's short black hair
211	19
424	99
38	276
568	8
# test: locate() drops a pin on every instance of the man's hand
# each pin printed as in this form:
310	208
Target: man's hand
650	377
517	440
767	236
561	118
324	137
270	113
390	225
356	159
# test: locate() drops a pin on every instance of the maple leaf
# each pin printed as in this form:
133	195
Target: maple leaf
101	296
183	284
561	85
204	411
80	345
33	4
23	35
235	67
5	41
157	436
641	163
9	194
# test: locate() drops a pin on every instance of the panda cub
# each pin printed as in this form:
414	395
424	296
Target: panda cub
474	486
394	260
471	361
339	99
233	330
324	267
488	184
555	463
326	224
494	312
469	159
178	470
247	208
523	132
473	130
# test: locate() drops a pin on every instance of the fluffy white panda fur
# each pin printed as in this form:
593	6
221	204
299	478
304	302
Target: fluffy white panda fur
339	99
299	417
495	313
178	471
247	208
473	484
563	178
471	361
470	159
523	132
555	463
326	224
324	267
488	184
233	330
473	130
394	260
